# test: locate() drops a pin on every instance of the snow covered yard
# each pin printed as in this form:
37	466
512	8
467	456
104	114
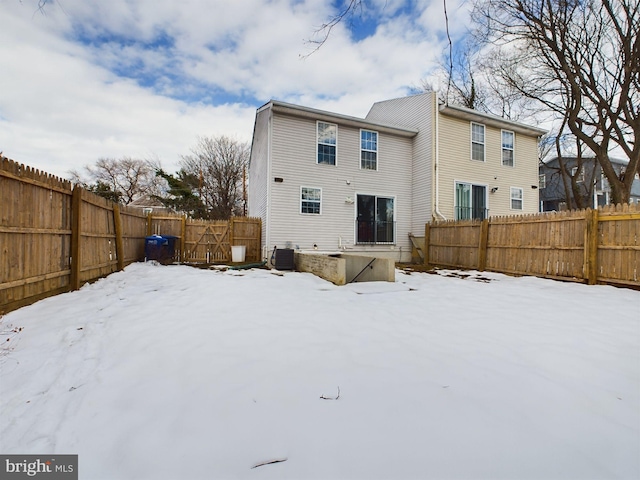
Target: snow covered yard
178	373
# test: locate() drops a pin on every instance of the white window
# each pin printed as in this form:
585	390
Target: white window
507	148
516	198
327	143
579	176
368	150
542	181
477	142
310	200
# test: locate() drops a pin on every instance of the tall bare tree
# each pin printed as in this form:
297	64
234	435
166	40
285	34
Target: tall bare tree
218	163
468	74
123	180
581	60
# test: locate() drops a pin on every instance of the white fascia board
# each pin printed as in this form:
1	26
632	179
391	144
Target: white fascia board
492	120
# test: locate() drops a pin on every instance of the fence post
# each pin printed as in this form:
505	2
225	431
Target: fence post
232	222
183	234
482	247
427	241
117	223
76	230
591	247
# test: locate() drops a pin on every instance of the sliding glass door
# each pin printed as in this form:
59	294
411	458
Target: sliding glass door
375	219
471	201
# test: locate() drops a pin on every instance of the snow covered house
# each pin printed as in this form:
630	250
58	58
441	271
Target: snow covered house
326	181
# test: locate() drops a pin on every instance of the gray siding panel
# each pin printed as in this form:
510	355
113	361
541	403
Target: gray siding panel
294	160
416	111
259	171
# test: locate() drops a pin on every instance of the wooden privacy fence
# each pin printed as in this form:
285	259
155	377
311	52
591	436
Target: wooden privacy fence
55	237
205	241
590	246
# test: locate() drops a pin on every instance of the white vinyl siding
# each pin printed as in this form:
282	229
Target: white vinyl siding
259	166
477	142
294	150
416	111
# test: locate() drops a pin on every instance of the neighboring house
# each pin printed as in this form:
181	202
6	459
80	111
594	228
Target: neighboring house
322	180
592	184
148	204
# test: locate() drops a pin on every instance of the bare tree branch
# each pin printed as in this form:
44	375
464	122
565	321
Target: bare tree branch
324	31
578	58
218	163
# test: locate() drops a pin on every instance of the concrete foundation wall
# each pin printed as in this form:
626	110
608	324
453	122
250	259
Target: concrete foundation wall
331	268
343	268
380	270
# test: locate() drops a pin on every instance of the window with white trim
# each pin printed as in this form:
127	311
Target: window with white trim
327	142
368	150
542	181
507	148
375	219
477	142
579	176
310	200
516	198
470	201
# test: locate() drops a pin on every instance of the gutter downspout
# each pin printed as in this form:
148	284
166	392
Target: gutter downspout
436	164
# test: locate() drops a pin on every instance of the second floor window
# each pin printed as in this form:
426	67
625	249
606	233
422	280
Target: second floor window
542	181
368	150
507	148
327	141
578	175
477	142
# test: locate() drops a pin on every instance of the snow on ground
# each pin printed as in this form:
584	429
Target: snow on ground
171	372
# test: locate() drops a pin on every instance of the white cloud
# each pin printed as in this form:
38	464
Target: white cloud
92	79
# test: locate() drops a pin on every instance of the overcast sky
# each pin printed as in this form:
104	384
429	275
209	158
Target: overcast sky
91	78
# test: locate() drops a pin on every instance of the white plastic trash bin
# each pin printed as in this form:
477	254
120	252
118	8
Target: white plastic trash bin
237	253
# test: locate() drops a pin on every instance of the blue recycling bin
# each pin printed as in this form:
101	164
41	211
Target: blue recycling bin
161	248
